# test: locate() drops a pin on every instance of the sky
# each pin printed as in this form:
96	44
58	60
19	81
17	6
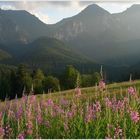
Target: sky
51	12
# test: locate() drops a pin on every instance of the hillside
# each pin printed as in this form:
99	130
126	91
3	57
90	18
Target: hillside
20	27
48	54
114	88
4	55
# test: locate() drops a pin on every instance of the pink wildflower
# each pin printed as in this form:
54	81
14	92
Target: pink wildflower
29	127
32	99
58	109
20	135
89	114
11	114
102	85
108	103
125	100
7	131
29	112
120	105
131	91
97	106
19	112
24	98
118	132
63	101
39	116
77	91
65	126
50	102
39	119
69	114
134	116
1	132
88	118
73	108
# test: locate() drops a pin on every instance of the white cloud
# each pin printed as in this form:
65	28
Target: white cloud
8	7
115	7
41	16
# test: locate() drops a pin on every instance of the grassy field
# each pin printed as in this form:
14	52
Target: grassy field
106	111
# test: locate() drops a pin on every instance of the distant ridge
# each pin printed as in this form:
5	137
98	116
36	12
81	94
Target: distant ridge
94	35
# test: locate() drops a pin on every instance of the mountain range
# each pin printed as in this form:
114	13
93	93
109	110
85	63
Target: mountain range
94	36
102	36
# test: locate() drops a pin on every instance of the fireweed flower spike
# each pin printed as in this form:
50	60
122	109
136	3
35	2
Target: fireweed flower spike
102	85
29	127
117	132
89	115
65	126
32	99
63	101
134	116
20	135
69	114
49	102
77	91
7	131
131	91
108	103
1	132
19	112
97	106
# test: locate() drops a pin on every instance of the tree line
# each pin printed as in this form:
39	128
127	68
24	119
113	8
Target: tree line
22	80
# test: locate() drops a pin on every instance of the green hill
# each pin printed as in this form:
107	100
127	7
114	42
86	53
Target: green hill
49	54
4	55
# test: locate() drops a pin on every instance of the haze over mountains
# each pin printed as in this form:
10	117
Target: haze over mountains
93	36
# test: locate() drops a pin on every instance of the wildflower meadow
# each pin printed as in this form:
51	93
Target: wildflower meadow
99	112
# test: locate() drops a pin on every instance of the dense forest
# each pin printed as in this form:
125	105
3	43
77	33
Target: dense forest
22	79
16	81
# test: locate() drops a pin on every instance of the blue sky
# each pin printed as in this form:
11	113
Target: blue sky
53	11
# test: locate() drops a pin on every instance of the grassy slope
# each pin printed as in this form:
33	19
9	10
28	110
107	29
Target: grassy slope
111	89
115	88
